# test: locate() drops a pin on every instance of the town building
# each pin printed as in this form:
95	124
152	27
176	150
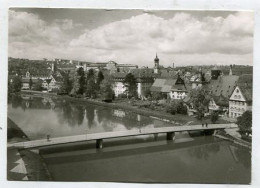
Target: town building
179	89
198	80
241	97
144	79
221	89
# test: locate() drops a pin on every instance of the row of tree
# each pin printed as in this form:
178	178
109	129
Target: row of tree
86	84
94	85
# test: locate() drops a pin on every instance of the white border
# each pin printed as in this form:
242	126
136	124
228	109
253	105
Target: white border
253	5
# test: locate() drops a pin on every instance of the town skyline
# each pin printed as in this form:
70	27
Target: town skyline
133	36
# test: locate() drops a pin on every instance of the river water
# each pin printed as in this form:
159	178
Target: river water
187	159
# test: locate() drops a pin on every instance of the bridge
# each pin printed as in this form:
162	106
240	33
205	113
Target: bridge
99	137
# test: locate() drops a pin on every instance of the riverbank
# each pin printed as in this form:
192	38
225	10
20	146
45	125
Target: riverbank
223	135
177	119
23	164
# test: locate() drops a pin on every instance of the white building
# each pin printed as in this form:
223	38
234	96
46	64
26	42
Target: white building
241	97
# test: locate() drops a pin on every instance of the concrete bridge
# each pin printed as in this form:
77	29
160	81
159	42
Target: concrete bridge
99	137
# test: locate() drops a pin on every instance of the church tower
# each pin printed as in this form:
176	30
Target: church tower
156	65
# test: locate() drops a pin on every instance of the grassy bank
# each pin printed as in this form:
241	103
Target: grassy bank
178	119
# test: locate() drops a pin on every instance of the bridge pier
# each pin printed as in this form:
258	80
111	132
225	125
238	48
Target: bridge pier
170	135
155	136
99	143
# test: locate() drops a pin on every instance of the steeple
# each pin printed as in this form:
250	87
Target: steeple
156	64
156	58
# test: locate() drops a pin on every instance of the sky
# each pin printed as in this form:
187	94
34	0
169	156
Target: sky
132	36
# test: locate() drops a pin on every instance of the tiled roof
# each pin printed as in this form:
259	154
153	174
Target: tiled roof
245	83
57	78
224	85
167	74
178	88
34	80
162	85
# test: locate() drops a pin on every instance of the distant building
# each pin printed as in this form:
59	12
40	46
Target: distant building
118	83
198	80
241	97
41	74
144	79
172	88
237	70
111	66
218	104
29	83
179	89
156	65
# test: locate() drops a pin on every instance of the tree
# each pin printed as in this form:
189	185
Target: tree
171	108
30	83
181	108
100	78
91	86
90	74
66	86
131	85
38	86
75	82
244	123
106	90
16	84
81	81
91	89
200	99
147	93
156	95
214	117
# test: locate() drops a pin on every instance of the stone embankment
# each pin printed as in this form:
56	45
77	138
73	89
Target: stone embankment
24	164
223	135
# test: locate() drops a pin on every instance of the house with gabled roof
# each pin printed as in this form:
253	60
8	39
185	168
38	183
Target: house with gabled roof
242	96
173	88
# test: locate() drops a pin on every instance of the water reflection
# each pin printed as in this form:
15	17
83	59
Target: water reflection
63	118
203	160
203	152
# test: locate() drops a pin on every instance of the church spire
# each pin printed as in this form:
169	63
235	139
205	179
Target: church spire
156	64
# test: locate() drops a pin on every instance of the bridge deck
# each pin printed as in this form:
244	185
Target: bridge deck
106	135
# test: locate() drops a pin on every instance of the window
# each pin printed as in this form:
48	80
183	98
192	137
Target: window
237	90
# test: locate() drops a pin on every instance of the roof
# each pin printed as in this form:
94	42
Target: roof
167	74
57	78
162	85
224	85
34	80
245	83
179	88
126	65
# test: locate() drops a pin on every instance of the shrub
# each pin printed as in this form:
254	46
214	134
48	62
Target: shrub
171	108
122	96
214	117
181	108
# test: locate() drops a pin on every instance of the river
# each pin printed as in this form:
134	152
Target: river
187	159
